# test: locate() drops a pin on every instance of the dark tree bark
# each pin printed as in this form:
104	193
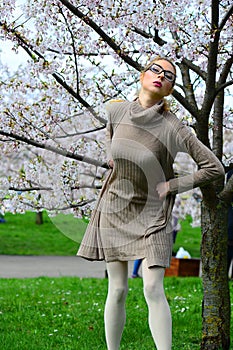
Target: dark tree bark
216	298
39	218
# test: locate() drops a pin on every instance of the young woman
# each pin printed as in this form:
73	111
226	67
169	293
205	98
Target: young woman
132	218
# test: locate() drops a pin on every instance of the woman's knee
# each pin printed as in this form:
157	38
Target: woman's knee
119	293
153	291
153	282
118	280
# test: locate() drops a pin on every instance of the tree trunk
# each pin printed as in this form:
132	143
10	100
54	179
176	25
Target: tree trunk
216	297
39	218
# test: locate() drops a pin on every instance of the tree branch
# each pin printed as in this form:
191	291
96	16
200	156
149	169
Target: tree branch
210	91
65	135
70	206
225	19
28	189
31	51
223	86
141	32
74	51
90	54
62	151
201	73
187	62
107	39
188	86
226	69
38	188
156	38
69	89
183	101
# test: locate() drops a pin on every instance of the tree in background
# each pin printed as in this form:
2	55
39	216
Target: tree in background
80	56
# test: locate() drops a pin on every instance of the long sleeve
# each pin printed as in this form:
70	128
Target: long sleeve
108	141
113	121
209	167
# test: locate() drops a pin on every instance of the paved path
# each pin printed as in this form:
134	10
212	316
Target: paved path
16	266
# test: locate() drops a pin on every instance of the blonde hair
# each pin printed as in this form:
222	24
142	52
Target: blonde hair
166	105
158	58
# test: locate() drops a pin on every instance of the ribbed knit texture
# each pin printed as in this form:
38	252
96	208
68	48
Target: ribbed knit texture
130	221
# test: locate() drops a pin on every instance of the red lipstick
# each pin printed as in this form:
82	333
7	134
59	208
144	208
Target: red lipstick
157	83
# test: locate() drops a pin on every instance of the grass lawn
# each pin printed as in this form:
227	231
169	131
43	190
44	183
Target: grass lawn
61	235
20	235
189	238
67	313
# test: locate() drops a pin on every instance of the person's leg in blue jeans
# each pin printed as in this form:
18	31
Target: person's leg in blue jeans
136	266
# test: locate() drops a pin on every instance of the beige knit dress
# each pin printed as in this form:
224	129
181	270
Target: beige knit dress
129	220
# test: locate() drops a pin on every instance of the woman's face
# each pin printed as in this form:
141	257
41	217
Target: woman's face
158	79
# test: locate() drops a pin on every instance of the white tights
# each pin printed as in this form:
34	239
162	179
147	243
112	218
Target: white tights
159	312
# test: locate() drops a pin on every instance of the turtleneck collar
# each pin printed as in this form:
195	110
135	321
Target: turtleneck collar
140	115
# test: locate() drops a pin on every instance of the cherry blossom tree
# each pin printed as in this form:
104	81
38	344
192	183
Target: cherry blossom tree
80	56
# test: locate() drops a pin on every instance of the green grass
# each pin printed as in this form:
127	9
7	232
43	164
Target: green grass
61	235
67	313
20	235
189	238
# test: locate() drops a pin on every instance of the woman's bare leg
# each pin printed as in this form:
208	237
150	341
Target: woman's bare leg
160	321
114	315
